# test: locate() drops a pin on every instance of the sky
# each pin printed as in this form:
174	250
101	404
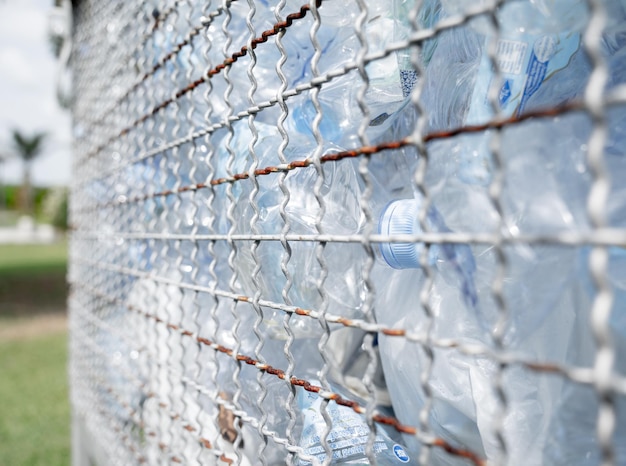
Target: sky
27	92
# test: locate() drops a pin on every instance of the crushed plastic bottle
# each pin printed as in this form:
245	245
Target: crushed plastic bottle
344	216
547	291
347	438
339	45
348	430
543	65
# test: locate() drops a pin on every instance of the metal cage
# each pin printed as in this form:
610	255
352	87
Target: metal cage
361	231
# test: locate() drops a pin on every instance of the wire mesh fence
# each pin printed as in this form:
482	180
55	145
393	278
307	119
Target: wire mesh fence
364	232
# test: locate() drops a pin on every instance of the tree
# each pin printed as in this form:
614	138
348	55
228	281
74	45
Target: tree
28	148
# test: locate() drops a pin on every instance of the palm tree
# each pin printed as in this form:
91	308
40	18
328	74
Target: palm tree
28	148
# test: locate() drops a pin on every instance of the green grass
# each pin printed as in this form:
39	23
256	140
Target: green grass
32	257
32	279
34	409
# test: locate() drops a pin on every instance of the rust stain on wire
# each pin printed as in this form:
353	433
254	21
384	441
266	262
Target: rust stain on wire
392	332
161	16
538	367
502	123
280	26
545	367
306	385
159	19
151	433
352	153
225	459
265	35
438	442
330	157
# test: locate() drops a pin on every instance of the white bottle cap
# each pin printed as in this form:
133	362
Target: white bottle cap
401	218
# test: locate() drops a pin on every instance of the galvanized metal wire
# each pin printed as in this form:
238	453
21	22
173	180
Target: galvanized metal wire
188	311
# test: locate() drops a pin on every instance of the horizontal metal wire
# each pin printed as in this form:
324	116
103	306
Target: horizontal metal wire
120	111
176	49
278	27
617	96
338	156
597	237
212	394
580	375
416	38
306	385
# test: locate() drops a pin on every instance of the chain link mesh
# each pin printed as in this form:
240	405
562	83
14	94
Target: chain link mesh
232	161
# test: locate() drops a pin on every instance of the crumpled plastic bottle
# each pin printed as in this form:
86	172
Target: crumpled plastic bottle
545	193
546	292
348	435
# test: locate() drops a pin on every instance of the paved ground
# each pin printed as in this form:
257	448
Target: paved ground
32	327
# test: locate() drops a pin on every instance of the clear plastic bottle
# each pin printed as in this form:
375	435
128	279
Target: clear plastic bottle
341	196
546	186
348	435
542	65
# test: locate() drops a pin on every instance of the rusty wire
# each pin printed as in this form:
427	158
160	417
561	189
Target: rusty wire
352	153
278	27
277	372
140	122
579	375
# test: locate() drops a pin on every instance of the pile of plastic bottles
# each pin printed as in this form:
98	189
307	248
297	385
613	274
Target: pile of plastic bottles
443	291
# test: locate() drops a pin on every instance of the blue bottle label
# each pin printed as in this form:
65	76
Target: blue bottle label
348	436
525	63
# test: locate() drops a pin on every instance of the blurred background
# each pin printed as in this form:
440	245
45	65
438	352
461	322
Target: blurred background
34	175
